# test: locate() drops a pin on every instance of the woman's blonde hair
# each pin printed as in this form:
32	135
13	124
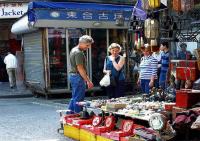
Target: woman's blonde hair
114	45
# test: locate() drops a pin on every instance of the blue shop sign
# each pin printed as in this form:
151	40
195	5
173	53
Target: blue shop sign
83	15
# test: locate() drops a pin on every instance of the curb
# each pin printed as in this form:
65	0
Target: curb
16	96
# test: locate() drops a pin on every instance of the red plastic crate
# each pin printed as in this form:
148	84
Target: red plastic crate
186	98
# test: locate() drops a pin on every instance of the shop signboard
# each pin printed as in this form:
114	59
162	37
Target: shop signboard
84	15
12	10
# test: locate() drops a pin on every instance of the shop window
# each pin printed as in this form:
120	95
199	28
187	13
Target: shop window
99	52
74	34
116	36
57	58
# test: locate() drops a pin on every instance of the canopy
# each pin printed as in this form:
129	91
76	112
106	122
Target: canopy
78	7
73	15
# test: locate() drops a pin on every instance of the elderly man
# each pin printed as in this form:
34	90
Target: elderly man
11	65
78	75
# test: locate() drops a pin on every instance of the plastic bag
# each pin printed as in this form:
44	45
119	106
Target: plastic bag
105	81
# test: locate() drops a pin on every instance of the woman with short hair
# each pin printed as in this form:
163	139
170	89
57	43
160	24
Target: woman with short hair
148	70
114	65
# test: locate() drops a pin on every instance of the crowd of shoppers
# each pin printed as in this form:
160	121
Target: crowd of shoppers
154	70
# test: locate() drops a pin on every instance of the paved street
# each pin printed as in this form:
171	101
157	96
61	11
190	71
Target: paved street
7	92
30	119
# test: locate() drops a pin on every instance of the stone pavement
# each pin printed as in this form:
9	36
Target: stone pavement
19	92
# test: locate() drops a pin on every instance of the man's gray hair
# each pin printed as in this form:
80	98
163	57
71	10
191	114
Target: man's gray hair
86	39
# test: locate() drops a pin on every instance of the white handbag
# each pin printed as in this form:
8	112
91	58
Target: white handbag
105	81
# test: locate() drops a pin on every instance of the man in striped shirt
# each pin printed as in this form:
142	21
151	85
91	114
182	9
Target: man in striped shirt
148	70
165	60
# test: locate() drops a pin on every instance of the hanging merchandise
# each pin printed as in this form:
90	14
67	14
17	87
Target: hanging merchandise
151	28
154	45
142	42
154	3
145	4
177	5
187	5
139	42
136	40
183	5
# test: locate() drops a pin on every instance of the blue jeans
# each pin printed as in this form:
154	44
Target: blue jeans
162	80
144	83
78	92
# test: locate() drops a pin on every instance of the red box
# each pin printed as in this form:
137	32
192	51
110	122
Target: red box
125	138
109	125
77	121
186	98
169	106
187	63
71	116
127	130
186	73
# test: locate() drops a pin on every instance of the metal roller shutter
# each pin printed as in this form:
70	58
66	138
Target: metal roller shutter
33	60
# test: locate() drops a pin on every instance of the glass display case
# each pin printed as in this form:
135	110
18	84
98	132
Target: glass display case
57	58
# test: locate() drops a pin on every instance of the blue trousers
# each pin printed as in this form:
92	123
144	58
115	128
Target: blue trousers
162	80
144	83
116	91
78	92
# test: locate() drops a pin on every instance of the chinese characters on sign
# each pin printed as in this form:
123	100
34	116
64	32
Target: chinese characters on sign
12	10
91	15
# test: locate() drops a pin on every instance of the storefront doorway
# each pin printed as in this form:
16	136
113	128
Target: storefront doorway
61	41
98	54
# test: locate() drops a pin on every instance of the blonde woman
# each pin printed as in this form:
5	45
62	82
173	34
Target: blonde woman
114	65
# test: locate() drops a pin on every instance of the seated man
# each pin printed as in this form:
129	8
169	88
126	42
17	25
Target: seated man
183	54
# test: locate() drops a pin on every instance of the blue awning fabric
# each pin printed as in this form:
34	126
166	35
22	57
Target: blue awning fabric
74	6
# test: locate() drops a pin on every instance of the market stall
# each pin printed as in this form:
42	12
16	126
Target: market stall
163	114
